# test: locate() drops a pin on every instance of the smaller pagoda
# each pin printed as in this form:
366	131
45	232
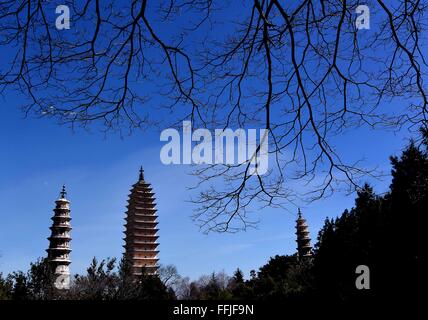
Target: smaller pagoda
304	249
59	242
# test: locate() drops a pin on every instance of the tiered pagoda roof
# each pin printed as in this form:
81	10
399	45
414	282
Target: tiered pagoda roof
59	241
141	229
304	249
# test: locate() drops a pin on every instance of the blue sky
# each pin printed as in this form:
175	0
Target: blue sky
38	156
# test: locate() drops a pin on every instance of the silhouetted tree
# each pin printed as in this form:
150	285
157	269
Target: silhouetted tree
99	283
283	277
150	287
385	233
6	288
20	289
102	282
237	286
41	279
345	243
127	287
406	221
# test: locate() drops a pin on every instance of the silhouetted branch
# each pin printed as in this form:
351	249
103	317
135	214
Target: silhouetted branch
301	70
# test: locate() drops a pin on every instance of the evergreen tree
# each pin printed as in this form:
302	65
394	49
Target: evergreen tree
99	283
150	287
283	277
41	279
20	289
6	288
237	286
385	233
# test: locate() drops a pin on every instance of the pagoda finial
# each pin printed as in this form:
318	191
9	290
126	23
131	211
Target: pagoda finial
141	173
299	213
63	193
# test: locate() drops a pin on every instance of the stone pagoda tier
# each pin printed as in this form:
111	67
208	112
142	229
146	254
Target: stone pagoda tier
141	229
304	248
59	241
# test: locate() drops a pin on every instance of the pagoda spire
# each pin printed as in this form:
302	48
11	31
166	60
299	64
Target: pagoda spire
141	229
59	242
63	193
141	177
304	249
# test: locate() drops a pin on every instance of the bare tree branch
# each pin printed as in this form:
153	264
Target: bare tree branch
301	69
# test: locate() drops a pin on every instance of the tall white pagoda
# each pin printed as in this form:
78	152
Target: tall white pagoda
59	241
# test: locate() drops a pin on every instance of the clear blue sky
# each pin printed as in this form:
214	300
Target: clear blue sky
38	156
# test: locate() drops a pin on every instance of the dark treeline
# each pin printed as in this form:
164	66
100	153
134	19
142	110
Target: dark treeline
385	232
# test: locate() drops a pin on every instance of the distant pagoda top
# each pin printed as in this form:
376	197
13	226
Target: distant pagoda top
304	249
